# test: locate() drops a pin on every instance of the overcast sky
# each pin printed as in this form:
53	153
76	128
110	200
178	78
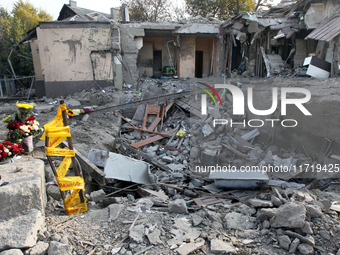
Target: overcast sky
53	7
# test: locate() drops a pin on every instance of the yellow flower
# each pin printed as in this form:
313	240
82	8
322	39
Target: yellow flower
70	113
26	106
5	120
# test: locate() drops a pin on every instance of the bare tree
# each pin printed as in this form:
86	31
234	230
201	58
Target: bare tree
262	3
148	10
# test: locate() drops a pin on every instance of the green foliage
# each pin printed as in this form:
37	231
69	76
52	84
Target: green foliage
220	9
13	27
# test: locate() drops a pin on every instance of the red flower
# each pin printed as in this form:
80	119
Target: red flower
20	145
11	125
0	156
31	118
22	150
4	154
7	143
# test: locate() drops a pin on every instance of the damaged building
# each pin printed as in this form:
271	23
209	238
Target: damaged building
103	49
84	47
278	40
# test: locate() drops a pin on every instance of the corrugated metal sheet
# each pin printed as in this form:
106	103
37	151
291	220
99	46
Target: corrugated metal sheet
326	31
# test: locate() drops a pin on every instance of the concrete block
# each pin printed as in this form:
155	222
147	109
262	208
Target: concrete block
57	248
25	191
39	249
290	215
115	210
21	232
218	246
97	195
178	206
12	252
53	191
72	103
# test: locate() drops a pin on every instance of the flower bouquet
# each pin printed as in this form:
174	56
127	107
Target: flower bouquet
22	127
9	150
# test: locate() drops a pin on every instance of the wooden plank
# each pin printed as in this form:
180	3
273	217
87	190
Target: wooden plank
147	141
90	168
128	121
166	134
154	124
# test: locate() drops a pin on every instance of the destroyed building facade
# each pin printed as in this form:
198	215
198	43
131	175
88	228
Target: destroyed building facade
84	47
104	49
278	40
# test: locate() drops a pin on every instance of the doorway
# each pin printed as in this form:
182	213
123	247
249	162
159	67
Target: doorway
157	63
199	64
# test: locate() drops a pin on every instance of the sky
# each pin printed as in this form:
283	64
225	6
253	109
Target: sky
53	7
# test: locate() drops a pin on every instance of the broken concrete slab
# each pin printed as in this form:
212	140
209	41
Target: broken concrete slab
178	206
290	215
294	245
57	248
196	220
182	232
137	233
115	210
12	252
305	248
97	195
190	247
307	228
313	211
25	191
154	237
39	249
98	157
218	246
236	220
176	167
284	242
53	191
134	170
260	203
29	225
70	103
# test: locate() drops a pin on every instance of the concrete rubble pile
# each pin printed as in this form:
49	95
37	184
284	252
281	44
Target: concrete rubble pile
150	189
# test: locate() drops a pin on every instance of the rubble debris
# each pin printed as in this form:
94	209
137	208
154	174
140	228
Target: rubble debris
98	157
178	206
12	252
218	246
236	220
29	226
97	195
57	248
290	215
190	247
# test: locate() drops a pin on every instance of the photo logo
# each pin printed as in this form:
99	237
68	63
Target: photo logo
239	103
